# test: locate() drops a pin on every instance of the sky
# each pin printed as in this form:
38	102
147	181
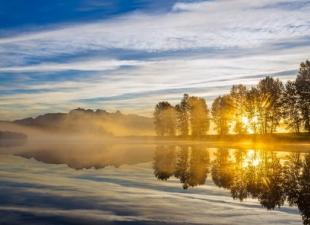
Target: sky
128	55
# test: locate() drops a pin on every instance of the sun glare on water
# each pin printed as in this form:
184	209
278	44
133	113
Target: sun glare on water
252	158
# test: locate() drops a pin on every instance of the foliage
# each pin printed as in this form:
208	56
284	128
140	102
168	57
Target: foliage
190	116
292	107
165	119
183	115
199	116
257	109
221	114
303	90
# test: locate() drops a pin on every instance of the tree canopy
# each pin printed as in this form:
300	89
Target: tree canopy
258	109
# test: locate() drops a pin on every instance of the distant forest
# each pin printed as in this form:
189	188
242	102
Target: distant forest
245	110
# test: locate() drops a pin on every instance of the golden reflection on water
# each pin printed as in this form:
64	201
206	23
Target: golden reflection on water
268	176
251	159
271	177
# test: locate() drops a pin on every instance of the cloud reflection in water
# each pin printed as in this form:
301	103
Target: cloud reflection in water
33	192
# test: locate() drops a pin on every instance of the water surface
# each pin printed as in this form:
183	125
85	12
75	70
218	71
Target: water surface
83	183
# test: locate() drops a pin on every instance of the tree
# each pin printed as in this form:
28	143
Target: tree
199	116
183	116
165	119
292	107
253	109
221	114
303	90
237	96
270	91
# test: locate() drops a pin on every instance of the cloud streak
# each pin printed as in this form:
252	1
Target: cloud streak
92	65
201	47
219	24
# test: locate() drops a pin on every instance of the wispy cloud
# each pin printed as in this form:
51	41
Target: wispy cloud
201	47
137	89
88	65
220	24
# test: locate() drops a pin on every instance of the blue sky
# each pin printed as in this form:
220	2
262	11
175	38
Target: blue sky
127	55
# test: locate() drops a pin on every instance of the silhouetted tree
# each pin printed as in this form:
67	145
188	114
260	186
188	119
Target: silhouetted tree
256	110
199	116
238	99
253	109
183	115
303	90
270	92
292	107
165	119
221	114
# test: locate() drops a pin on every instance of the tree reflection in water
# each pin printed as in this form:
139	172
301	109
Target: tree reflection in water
188	163
258	174
164	162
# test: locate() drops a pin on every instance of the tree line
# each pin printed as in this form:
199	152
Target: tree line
258	109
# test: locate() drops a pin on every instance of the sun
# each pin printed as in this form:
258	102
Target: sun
245	120
255	119
249	123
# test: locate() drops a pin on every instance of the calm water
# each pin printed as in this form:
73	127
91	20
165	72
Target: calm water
82	183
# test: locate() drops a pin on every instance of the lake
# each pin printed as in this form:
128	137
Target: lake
79	182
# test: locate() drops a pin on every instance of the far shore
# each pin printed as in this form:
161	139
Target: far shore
291	140
276	141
